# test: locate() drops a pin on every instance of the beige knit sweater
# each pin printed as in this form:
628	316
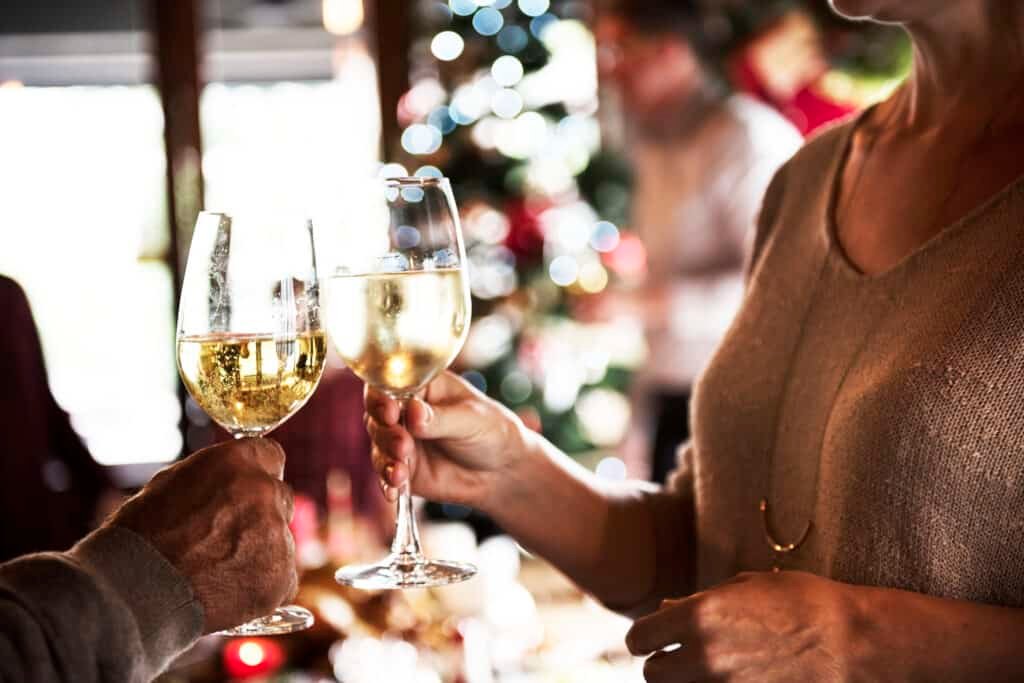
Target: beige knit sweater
888	409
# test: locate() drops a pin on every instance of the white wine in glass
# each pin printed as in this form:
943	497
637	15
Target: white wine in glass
250	347
398	317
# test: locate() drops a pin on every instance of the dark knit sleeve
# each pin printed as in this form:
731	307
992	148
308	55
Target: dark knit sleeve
111	609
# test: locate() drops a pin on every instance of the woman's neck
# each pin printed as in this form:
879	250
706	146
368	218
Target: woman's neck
969	61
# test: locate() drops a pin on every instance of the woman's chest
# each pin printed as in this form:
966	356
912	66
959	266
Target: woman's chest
888	417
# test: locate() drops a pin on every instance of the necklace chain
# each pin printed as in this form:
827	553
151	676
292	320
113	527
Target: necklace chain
780	548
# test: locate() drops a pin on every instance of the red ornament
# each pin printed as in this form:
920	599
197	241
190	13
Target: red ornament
249	657
525	238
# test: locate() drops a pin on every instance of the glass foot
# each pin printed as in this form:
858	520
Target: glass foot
287	619
397	573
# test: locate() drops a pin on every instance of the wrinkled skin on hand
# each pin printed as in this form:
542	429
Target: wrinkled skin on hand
221	518
758	627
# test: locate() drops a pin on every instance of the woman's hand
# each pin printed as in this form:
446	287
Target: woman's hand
459	445
763	627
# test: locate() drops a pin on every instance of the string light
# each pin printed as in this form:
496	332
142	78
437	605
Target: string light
441	119
342	17
513	39
447	46
507	103
507	71
593	278
463	7
541	24
534	8
563	270
488	21
421	138
429	172
605	237
393	170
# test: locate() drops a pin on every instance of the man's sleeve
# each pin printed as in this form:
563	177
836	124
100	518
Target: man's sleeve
111	609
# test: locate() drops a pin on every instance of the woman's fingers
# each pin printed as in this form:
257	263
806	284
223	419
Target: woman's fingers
685	663
456	421
449	387
674	623
393	440
380	406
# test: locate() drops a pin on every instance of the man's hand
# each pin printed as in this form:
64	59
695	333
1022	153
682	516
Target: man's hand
221	518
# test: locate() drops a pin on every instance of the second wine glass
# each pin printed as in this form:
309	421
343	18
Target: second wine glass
398	310
250	347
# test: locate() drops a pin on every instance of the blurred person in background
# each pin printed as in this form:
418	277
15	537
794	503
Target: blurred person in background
52	492
203	547
849	506
702	161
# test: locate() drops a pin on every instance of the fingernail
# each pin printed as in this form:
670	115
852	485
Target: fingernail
389	474
428	412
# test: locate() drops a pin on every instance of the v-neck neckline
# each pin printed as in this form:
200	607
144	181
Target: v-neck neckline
949	231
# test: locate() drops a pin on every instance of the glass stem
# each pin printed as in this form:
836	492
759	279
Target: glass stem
405	548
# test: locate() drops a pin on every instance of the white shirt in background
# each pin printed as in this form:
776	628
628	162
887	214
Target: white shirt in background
695	205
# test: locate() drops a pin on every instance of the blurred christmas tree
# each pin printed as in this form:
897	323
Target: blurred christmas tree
503	102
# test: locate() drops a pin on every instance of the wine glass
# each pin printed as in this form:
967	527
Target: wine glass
398	313
250	347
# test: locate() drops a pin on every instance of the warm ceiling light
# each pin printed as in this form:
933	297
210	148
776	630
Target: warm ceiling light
343	17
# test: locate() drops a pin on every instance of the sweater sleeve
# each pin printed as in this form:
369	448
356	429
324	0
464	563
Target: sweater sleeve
672	510
111	609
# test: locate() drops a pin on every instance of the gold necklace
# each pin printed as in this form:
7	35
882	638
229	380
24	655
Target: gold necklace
778	547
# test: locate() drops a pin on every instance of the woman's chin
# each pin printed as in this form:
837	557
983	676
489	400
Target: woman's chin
884	11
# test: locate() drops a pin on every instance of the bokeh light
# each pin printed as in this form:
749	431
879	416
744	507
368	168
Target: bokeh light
525	135
475	378
488	21
563	270
604	415
507	103
421	138
629	258
541	24
407	236
605	237
485	132
507	70
462	7
468	104
516	387
513	39
250	653
534	8
593	277
441	119
342	17
412	194
429	172
447	45
393	170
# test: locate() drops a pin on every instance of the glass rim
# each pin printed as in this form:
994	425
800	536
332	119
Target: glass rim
415	181
244	213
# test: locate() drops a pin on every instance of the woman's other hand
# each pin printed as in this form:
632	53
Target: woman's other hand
763	627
